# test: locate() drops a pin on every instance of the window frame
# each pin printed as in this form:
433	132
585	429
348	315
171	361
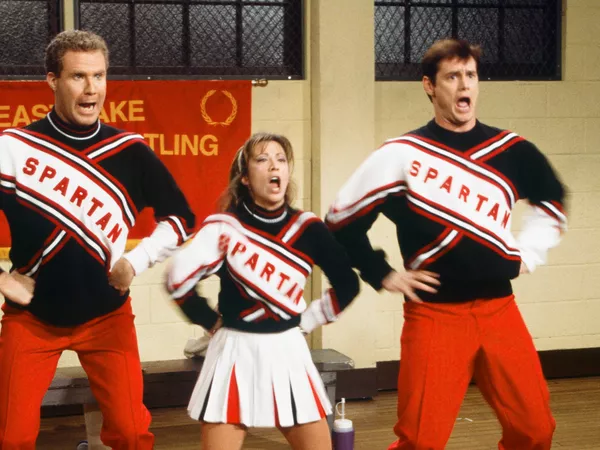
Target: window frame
202	73
410	68
55	25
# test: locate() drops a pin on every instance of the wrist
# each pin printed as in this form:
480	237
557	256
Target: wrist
4	276
383	277
138	259
218	324
312	317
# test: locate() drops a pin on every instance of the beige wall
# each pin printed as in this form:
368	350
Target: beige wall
338	114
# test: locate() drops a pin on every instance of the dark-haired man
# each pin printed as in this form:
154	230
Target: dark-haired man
450	187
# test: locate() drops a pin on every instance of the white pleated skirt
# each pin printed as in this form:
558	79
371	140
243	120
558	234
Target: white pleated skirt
259	380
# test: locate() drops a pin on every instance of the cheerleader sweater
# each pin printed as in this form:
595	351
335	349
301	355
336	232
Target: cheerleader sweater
451	197
263	259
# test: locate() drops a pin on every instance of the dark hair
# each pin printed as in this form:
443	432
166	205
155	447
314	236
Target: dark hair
72	40
237	191
447	49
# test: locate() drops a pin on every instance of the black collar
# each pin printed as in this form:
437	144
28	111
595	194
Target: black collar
72	131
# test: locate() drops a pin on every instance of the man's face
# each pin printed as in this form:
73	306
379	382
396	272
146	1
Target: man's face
454	94
80	89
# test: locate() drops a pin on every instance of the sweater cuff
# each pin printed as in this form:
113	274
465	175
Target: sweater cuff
139	258
312	317
530	259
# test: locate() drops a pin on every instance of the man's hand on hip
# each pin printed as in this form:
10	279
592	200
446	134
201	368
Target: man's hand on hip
16	287
121	275
410	281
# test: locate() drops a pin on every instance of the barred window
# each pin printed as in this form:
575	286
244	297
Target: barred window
26	28
199	38
520	39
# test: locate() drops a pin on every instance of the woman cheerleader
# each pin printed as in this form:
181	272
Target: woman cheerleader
258	371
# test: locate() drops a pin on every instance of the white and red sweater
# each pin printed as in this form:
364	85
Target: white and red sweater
70	197
263	259
451	197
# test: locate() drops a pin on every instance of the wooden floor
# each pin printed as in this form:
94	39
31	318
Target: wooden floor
575	403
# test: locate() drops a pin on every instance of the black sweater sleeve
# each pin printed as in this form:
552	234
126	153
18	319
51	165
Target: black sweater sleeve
371	263
175	220
197	310
331	257
162	193
538	182
543	226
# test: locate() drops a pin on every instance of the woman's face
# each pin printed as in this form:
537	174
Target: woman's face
268	175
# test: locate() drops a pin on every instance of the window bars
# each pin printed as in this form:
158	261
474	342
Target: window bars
520	38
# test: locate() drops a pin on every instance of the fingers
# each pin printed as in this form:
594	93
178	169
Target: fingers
20	297
426	272
414	284
113	280
121	276
412	296
16	292
423	281
427	277
122	289
27	282
119	285
411	281
523	269
216	327
423	287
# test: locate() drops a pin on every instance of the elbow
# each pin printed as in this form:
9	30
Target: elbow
344	291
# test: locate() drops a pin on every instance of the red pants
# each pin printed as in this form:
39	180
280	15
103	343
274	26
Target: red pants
107	349
443	345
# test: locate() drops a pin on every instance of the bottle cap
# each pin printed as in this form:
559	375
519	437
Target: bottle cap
342	425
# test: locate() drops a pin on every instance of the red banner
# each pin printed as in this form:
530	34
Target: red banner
195	127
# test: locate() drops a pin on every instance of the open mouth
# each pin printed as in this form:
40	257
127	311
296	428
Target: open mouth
88	106
463	102
275	181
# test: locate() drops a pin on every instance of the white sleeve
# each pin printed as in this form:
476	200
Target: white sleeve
320	312
380	175
200	259
157	247
542	230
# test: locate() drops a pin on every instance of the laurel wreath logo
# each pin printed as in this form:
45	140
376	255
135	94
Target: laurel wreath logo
208	119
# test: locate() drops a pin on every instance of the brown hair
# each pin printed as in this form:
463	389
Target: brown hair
237	191
72	40
447	49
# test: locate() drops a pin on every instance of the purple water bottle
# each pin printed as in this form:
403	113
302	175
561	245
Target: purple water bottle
343	432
